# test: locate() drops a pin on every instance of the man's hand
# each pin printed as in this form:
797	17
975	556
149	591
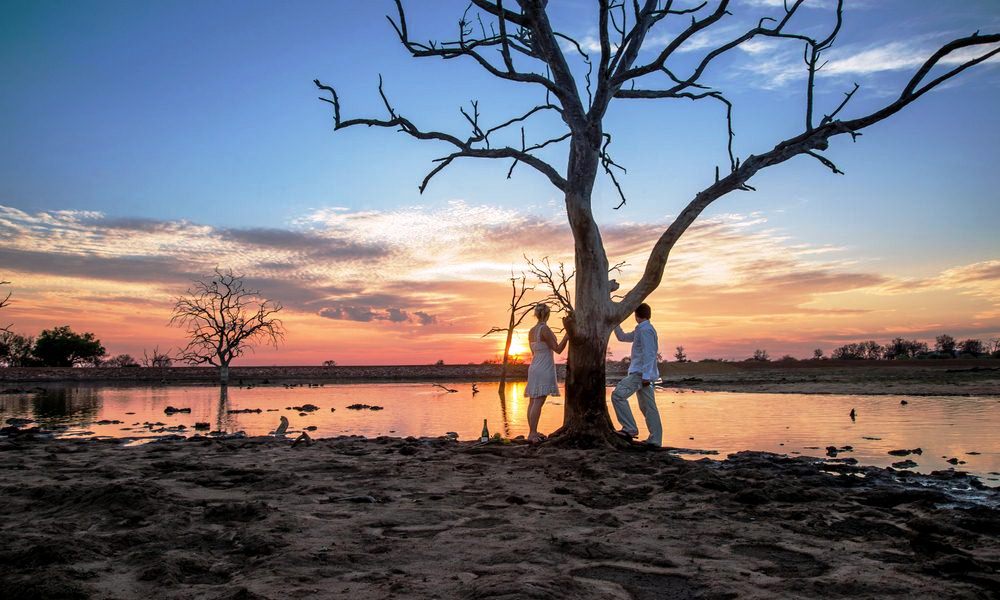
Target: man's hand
645	383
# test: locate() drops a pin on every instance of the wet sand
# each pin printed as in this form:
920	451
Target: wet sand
434	518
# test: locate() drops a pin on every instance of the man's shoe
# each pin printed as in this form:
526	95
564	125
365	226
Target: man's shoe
627	435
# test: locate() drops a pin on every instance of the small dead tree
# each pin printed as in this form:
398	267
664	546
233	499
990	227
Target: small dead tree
156	358
4	303
518	309
517	41
224	320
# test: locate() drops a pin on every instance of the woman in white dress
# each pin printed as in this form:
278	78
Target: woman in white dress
542	372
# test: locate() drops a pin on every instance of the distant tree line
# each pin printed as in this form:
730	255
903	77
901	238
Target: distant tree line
63	347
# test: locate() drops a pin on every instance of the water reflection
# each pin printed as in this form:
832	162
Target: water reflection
944	427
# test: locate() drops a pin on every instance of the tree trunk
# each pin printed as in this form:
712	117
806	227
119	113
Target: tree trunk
586	421
224	374
506	350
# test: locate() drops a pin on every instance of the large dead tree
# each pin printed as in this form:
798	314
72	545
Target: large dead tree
224	320
515	40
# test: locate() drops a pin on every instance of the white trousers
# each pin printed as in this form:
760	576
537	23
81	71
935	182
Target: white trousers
628	386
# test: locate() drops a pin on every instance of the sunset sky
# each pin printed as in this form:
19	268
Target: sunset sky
144	144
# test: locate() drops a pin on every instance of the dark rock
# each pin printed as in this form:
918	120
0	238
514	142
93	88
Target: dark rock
904	452
240	411
512	499
311	428
408	450
17	421
904	464
170	410
751	497
306	408
202	426
237	511
953	461
108	422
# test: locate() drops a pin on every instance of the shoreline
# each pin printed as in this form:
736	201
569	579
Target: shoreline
958	377
388	517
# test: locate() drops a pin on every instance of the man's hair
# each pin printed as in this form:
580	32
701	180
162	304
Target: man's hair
643	311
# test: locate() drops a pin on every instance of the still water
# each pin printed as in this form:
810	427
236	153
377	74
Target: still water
943	427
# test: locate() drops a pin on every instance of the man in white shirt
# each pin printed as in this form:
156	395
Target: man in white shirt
642	373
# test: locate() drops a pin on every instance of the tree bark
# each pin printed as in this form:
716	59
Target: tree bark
586	421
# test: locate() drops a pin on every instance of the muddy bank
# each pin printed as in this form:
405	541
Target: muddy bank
347	517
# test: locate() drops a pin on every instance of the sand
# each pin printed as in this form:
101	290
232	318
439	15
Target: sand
434	518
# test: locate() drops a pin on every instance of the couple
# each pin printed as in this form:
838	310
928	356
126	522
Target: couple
642	374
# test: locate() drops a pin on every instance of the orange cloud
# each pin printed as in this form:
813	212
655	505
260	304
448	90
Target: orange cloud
418	284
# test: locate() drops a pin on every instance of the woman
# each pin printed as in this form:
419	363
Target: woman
542	372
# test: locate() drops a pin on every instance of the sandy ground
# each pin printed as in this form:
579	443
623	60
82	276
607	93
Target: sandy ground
433	518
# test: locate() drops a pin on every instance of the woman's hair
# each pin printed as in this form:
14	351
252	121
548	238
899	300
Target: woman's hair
542	311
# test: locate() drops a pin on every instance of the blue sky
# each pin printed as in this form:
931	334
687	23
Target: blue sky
205	112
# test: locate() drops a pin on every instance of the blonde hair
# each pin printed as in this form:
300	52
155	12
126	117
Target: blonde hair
542	311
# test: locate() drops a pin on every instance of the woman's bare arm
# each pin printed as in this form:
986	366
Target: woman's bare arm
550	339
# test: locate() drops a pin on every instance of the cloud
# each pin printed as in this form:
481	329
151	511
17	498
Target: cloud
863	61
441	273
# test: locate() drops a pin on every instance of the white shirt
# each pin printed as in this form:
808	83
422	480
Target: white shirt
644	349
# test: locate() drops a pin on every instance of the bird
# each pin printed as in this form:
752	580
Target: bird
853	414
475	389
282	427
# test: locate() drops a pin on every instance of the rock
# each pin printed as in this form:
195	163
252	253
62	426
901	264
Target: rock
306	408
170	410
243	411
903	402
202	426
952	461
364	407
751	497
904	464
333	410
831	451
108	422
311	428
904	452
17	421
408	450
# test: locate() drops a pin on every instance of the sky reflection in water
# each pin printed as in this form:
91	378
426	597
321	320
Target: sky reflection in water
944	427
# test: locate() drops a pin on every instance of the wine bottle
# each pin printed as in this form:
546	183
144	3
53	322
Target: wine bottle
486	433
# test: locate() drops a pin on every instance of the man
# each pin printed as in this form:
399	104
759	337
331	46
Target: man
642	373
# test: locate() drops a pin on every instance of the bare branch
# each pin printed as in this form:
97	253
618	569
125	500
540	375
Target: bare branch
806	143
224	320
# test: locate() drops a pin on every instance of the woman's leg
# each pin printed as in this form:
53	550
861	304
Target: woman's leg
534	414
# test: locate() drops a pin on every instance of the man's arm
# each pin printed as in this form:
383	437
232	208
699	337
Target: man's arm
622	336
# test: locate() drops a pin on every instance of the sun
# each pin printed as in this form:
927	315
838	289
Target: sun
518	347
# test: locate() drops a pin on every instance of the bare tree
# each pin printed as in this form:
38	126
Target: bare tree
517	311
224	320
157	358
4	303
520	45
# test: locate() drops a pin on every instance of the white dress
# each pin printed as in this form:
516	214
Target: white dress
541	372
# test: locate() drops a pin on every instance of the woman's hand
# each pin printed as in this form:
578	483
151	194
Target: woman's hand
568	324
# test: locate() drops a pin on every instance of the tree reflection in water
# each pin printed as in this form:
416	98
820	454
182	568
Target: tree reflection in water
59	405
